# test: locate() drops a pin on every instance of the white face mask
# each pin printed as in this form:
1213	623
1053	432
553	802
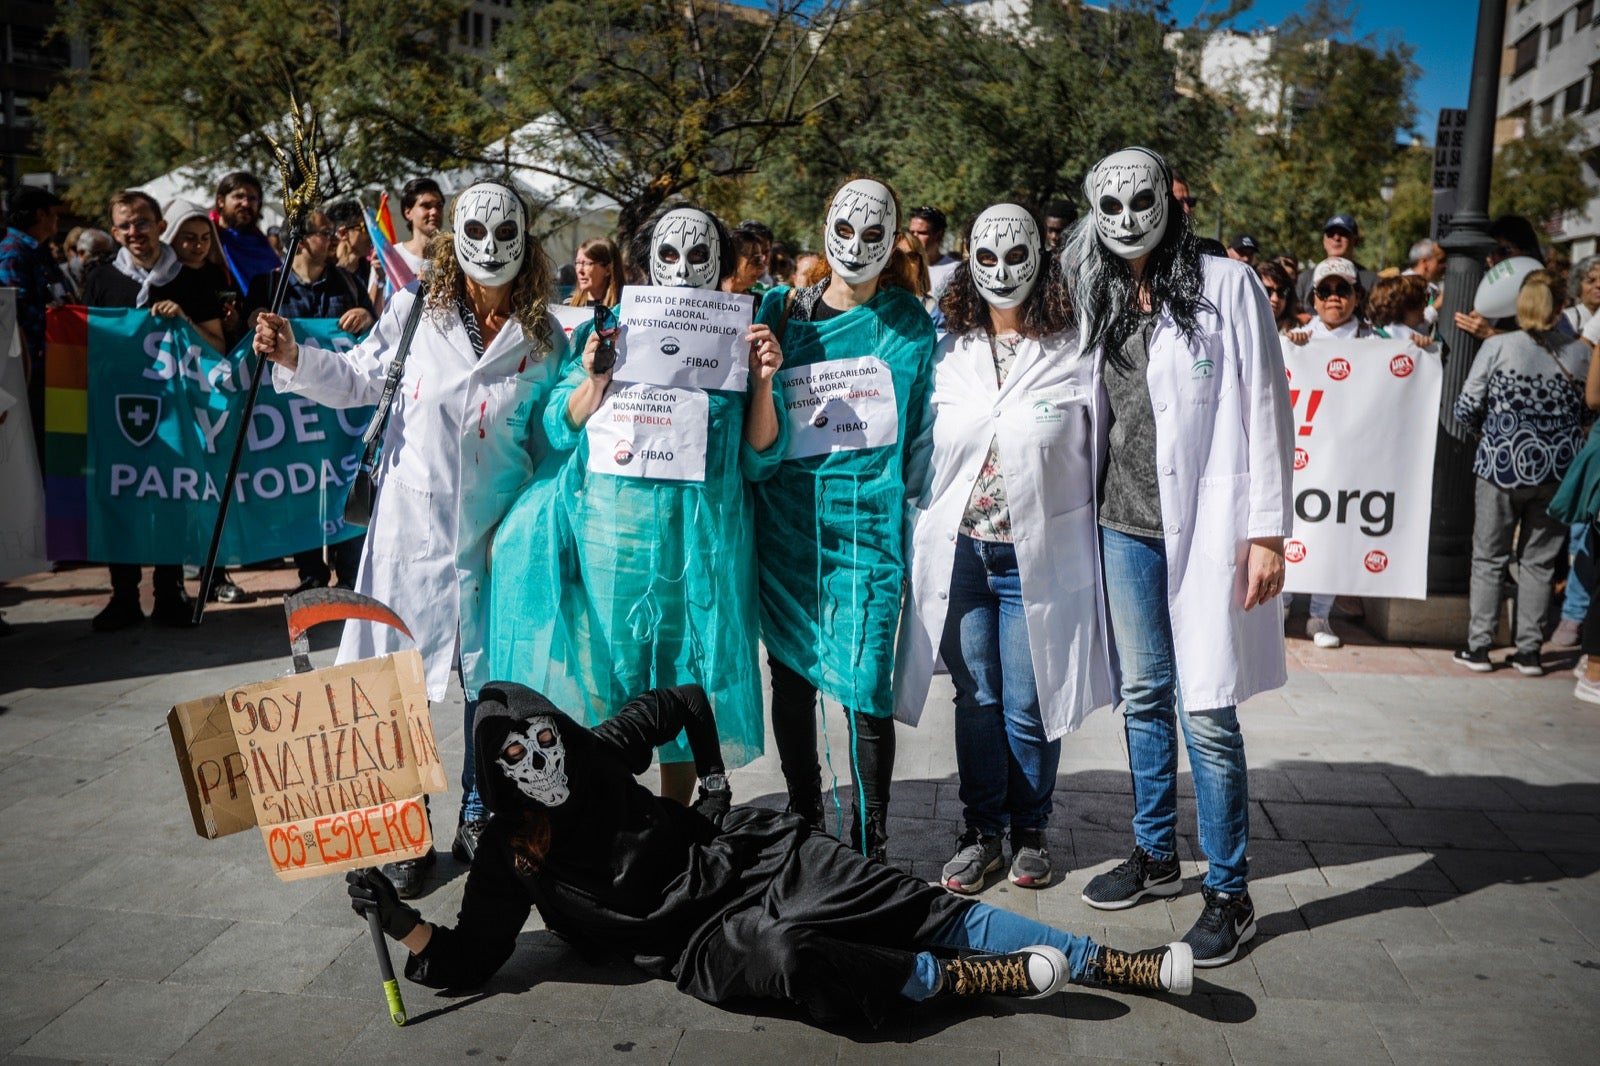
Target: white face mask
1128	192
685	251
490	234
1005	255
859	234
539	771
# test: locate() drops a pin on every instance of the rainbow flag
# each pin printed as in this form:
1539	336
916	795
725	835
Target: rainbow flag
66	438
380	228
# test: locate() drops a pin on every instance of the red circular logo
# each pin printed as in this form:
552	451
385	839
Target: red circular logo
1401	365
1376	562
1338	369
1294	551
1301	458
1287	373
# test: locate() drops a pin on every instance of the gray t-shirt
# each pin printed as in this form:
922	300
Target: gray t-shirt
1130	499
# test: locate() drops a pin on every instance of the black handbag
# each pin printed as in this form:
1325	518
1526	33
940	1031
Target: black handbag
363	490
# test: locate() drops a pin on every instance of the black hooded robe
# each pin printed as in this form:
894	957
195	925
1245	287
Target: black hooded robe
762	907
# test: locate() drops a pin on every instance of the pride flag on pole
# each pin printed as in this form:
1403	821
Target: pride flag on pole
380	228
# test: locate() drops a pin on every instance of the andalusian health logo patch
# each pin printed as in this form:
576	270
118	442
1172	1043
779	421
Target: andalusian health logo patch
137	417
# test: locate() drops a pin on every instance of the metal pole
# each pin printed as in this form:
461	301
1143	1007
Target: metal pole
1450	536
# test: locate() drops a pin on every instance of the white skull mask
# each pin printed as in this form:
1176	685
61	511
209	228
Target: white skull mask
1006	255
1128	191
490	233
859	234
685	251
535	759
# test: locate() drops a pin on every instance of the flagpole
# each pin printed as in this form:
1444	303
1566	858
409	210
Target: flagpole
298	168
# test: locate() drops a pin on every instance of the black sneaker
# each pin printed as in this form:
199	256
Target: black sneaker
1030	859
1031	973
1227	923
1141	875
120	613
1527	663
175	611
1476	659
1164	969
407	874
467	835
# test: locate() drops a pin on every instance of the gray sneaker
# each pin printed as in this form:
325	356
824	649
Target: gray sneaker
977	856
1030	859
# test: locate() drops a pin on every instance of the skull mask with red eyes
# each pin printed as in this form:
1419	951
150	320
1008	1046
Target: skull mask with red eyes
490	233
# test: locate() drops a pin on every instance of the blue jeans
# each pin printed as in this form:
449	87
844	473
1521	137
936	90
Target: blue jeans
1136	587
1576	602
1007	767
994	931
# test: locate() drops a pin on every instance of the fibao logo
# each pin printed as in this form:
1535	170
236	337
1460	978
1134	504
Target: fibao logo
1338	369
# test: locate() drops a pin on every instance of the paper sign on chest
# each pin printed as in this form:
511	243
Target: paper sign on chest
839	405
650	431
684	337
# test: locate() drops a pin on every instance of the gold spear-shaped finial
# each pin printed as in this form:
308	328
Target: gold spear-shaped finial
297	165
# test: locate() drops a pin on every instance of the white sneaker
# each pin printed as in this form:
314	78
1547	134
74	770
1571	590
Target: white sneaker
1322	634
1581	671
1567	635
1586	690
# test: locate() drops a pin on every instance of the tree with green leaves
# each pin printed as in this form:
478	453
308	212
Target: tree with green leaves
172	81
1540	174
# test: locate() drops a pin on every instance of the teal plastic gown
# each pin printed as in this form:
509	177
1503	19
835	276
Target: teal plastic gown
830	557
604	587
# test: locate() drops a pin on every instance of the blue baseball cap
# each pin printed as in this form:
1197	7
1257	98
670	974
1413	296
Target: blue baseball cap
1344	222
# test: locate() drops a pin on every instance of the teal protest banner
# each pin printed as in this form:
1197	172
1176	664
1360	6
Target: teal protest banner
162	411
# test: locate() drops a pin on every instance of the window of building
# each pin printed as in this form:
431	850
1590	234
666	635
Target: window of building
1572	99
1585	15
1594	88
494	30
1554	32
1527	49
477	29
1547	111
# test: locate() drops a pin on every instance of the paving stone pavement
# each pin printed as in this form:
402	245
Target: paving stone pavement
1425	852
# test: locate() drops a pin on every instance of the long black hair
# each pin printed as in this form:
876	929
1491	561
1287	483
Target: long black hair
1101	283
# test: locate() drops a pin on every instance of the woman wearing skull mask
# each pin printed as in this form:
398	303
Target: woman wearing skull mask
725	901
1005	584
1193	507
831	562
609	583
463	439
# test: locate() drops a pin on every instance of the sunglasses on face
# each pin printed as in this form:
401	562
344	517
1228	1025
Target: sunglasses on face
1334	288
1189	201
1273	290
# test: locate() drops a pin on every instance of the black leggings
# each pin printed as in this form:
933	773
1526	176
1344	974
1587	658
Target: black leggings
794	726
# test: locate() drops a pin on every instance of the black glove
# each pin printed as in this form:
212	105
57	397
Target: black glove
370	890
715	798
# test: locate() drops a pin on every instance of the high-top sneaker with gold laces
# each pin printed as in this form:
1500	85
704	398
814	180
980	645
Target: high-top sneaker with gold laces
1031	973
1163	969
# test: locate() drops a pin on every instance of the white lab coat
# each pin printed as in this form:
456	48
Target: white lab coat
1048	421
1224	462
463	440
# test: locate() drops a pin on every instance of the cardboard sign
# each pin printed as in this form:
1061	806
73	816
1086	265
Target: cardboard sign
839	405
649	431
688	337
1366	422
331	765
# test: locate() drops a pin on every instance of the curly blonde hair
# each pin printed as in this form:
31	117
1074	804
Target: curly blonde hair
531	289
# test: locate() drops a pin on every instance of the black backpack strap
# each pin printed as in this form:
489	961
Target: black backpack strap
373	438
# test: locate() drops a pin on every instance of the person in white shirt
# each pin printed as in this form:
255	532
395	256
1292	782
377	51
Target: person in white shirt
422	206
927	225
1428	263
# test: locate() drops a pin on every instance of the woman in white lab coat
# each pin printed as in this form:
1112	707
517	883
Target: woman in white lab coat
463	439
1193	508
1005	583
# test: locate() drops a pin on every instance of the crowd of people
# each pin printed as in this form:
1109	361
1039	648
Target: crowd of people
1051	503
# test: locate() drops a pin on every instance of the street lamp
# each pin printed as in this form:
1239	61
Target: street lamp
1386	190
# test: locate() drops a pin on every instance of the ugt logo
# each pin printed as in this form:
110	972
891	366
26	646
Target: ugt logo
1401	365
1376	562
1338	369
1294	551
1302	458
137	417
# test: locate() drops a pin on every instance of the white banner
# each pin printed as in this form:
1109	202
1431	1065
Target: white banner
571	317
1366	420
648	431
688	337
22	516
839	405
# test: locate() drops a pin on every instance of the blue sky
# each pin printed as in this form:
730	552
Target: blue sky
1440	31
